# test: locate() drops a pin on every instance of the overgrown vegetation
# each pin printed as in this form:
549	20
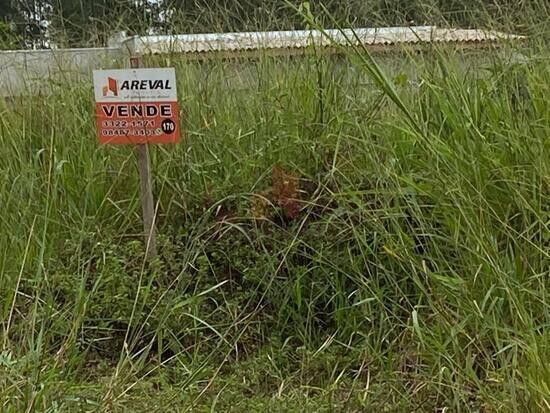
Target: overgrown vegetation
331	239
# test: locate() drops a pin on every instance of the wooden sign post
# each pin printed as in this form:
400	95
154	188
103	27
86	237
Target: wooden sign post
146	189
138	106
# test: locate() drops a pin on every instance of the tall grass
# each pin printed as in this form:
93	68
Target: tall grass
413	278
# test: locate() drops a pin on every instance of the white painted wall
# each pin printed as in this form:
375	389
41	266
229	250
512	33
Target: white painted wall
29	72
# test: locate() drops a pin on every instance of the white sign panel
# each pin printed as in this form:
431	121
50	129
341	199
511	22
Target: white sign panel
135	85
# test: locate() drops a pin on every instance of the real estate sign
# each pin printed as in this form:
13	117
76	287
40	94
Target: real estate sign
136	106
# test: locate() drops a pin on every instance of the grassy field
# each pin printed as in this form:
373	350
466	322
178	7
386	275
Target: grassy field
334	235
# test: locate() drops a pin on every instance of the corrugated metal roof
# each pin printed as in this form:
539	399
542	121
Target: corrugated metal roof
300	39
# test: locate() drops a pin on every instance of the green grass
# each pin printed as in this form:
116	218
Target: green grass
414	278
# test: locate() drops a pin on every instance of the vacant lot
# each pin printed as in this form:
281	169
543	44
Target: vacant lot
334	235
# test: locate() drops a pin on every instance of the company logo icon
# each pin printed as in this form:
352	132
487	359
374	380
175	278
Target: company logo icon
110	89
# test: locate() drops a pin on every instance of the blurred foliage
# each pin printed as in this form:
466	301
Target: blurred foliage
89	23
8	37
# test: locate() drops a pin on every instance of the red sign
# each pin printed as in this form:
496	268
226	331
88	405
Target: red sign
136	106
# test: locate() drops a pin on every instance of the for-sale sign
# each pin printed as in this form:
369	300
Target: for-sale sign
136	106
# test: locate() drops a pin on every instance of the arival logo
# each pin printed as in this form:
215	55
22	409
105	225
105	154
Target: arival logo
110	89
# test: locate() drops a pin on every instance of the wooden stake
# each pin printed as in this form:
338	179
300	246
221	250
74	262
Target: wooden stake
146	190
147	201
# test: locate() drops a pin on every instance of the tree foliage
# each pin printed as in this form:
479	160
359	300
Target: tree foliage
90	22
10	24
83	22
24	22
